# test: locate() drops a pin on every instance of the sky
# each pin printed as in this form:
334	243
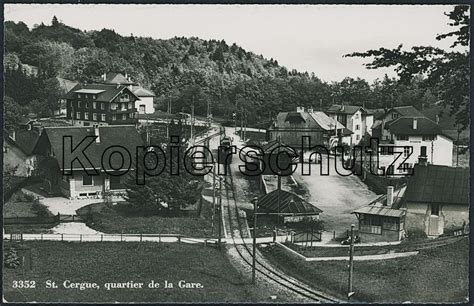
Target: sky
310	38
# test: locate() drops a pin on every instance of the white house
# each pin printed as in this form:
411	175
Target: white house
358	119
146	103
421	136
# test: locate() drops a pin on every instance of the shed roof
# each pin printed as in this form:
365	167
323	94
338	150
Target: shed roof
380	210
439	184
290	203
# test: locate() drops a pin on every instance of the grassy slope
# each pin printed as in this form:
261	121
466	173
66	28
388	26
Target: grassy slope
122	262
435	275
118	219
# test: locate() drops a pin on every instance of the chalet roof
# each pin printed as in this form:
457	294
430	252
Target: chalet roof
66	85
117	78
346	109
307	120
325	121
289	203
404	126
124	135
25	140
408	111
105	92
142	92
439	184
274	144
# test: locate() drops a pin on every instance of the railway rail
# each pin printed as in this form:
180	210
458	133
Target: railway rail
237	232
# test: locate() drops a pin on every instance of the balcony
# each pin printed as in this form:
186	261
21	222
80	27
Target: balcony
123	111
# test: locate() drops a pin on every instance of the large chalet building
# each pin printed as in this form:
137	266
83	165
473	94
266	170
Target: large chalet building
291	127
404	129
102	104
111	177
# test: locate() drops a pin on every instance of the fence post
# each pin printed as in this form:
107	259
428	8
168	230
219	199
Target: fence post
141	237
179	239
101	237
41	236
80	238
62	237
121	236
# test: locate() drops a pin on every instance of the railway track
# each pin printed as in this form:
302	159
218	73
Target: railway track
244	251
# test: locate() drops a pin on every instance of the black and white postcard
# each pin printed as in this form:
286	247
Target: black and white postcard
224	153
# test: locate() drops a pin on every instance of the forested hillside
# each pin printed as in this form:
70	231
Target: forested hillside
181	69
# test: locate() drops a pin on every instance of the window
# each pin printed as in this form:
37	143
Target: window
124	117
130	115
356	116
386	150
102	117
357	127
86	180
402	137
406	151
94	105
102	106
114	117
79	104
130	105
94	116
78	115
86	116
428	138
434	209
79	95
423	151
394	115
357	137
94	97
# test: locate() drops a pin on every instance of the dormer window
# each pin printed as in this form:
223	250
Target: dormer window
394	115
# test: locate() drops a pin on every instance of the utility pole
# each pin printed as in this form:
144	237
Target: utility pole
220	212
457	148
192	120
213	196
241	121
245	126
255	203
351	263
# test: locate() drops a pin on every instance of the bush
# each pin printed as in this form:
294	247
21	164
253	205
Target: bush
40	209
416	234
11	259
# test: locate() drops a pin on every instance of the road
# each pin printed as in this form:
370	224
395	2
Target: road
336	195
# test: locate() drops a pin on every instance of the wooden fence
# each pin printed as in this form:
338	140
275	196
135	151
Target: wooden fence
43	220
176	238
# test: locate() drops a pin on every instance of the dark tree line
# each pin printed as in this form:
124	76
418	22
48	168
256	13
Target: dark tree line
207	72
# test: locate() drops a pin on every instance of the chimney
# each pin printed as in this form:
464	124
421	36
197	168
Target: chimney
437	119
96	133
104	76
342	107
13	135
389	202
300	109
310	110
415	123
